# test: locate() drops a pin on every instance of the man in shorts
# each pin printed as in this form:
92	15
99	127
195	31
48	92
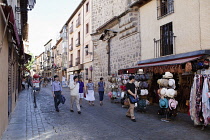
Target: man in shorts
81	91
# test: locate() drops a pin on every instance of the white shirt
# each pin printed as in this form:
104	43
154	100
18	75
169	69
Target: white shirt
74	89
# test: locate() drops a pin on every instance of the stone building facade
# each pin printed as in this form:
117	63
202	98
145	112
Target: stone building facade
124	46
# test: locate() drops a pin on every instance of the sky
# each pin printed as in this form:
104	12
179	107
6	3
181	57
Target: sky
46	20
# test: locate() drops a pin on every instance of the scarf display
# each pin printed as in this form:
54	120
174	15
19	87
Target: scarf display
200	100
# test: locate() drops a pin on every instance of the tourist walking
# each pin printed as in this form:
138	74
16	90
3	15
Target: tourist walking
57	91
101	86
23	82
90	92
81	91
29	81
74	92
130	86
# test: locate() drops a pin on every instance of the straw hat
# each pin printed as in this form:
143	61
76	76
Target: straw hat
170	93
171	83
168	75
163	92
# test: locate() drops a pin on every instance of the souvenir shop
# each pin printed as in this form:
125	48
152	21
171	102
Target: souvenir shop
170	80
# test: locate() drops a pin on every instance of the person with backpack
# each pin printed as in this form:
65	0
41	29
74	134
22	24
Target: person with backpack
101	86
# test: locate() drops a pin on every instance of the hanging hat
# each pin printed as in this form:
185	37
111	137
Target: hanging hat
137	77
125	81
159	81
172	104
170	93
168	75
158	91
136	84
171	83
163	92
110	94
163	103
140	71
164	82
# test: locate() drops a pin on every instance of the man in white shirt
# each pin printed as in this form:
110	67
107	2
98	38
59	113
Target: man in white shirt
74	92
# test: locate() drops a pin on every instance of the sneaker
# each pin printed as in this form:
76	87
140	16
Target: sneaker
57	110
134	120
72	110
79	112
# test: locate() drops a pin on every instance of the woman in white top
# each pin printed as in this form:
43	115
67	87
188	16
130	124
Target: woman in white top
90	92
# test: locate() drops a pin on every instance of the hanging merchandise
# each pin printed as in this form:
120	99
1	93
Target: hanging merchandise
118	87
167	93
200	100
142	90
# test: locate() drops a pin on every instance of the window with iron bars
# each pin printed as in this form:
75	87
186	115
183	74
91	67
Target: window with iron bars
164	8
166	44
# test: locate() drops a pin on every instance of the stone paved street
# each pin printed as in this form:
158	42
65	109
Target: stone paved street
95	123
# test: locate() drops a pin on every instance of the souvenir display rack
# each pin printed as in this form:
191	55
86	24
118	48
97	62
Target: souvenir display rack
168	104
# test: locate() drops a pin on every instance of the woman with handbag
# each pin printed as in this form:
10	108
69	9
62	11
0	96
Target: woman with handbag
130	86
90	92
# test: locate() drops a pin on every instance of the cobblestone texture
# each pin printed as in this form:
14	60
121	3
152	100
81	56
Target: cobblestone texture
95	123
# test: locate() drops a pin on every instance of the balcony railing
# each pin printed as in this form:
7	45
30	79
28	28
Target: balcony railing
71	30
166	7
77	42
164	46
78	22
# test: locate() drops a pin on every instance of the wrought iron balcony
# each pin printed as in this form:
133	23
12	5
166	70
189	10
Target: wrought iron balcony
164	46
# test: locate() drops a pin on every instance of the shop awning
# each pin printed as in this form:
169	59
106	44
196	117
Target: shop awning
8	13
159	63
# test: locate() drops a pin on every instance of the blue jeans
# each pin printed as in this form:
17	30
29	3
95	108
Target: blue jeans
101	95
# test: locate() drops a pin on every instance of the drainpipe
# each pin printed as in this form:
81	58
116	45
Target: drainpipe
108	52
140	34
83	58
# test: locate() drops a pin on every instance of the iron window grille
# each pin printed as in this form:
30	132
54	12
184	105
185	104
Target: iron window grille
165	7
166	44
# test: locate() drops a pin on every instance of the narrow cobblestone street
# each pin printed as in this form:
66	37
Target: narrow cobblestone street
95	123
